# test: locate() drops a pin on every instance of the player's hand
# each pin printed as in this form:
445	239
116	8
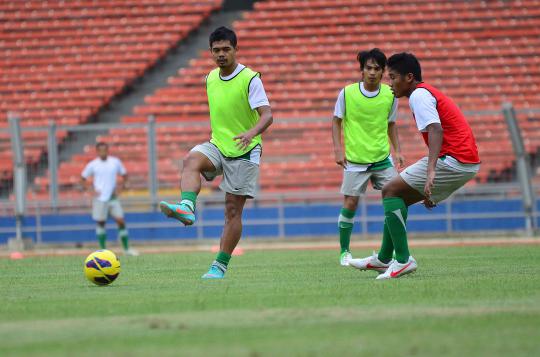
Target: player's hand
400	160
429	203
430	179
340	159
243	140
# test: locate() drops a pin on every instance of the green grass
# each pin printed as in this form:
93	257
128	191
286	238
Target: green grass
481	301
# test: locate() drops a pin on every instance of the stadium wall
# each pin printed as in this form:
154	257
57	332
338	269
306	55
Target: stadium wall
279	221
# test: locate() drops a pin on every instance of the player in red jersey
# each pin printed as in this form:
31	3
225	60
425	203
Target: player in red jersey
451	162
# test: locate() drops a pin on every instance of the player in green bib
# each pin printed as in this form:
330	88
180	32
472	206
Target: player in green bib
239	113
364	116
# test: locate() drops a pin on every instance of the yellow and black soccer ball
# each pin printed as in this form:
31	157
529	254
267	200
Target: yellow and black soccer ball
102	267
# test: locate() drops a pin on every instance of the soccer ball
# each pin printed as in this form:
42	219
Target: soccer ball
102	267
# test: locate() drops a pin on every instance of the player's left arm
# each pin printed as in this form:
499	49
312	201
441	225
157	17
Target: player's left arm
435	139
258	101
393	135
265	120
394	140
123	173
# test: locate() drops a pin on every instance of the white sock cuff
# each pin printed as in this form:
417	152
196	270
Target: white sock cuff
188	203
342	218
100	230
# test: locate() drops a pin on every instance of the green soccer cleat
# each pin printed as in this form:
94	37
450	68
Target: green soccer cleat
178	211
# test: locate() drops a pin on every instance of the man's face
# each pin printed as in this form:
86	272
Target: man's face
224	53
372	72
400	84
102	152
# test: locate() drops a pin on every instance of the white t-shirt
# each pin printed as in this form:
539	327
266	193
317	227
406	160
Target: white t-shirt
257	95
104	172
424	107
339	110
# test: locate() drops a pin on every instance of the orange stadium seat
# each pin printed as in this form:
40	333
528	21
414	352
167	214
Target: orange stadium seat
306	53
63	61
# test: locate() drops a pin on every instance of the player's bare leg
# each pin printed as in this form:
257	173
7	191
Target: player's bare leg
232	231
194	165
397	187
345	225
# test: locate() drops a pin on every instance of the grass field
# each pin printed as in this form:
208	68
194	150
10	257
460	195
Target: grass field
474	301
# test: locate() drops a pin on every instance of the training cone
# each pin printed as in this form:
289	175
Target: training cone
238	251
16	255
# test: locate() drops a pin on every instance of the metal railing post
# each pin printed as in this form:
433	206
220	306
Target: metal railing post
19	178
152	161
522	168
52	149
449	222
281	218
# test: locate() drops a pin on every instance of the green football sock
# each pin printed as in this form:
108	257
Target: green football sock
223	258
123	236
345	224
395	212
101	235
190	199
387	247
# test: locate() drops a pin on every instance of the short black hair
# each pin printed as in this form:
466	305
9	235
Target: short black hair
404	63
374	54
223	34
101	143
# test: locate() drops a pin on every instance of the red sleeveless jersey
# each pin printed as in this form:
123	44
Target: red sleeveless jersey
458	138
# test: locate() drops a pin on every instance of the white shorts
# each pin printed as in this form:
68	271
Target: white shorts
240	175
447	178
355	183
101	210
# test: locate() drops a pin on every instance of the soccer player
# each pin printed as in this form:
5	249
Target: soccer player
452	161
366	114
239	113
104	170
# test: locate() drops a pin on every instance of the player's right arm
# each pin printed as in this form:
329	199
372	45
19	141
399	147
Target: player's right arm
339	112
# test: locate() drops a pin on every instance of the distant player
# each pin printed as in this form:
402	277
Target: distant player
104	170
452	161
366	114
239	114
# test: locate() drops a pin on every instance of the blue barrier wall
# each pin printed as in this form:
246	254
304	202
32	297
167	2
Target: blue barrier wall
323	219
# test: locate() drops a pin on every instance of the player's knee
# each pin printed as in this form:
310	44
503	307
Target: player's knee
191	163
232	212
101	224
351	203
121	223
388	190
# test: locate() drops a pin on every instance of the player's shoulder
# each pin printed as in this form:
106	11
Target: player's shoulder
93	161
420	93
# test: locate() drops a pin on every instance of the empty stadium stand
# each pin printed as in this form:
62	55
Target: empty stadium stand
481	53
65	60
